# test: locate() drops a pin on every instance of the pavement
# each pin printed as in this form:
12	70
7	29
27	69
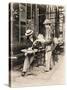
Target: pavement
55	76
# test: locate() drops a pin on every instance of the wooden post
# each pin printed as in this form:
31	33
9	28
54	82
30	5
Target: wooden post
36	20
11	29
19	25
26	15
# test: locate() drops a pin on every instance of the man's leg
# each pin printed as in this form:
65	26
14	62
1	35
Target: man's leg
51	62
30	62
31	59
26	64
48	60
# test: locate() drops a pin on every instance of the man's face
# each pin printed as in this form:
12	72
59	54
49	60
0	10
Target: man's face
30	36
47	26
60	35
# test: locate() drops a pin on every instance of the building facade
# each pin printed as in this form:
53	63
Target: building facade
31	16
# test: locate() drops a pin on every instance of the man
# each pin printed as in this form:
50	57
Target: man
49	45
39	44
29	54
60	45
60	39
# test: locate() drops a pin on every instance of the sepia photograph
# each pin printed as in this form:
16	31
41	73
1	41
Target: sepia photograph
36	44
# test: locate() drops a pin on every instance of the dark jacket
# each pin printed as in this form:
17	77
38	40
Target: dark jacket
28	43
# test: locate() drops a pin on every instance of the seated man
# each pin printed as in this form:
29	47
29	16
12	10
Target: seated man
60	45
29	53
39	44
60	39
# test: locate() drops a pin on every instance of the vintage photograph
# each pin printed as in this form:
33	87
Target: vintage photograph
36	44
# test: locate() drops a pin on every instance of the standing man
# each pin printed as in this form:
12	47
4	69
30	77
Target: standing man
49	45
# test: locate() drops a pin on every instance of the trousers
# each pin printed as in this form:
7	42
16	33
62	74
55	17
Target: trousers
27	62
48	60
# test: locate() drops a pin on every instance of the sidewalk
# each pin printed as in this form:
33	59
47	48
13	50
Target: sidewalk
54	77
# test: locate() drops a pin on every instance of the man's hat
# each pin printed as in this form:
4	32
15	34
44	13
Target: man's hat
47	21
29	32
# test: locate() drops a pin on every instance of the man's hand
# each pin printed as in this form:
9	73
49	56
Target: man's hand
25	54
30	48
47	41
